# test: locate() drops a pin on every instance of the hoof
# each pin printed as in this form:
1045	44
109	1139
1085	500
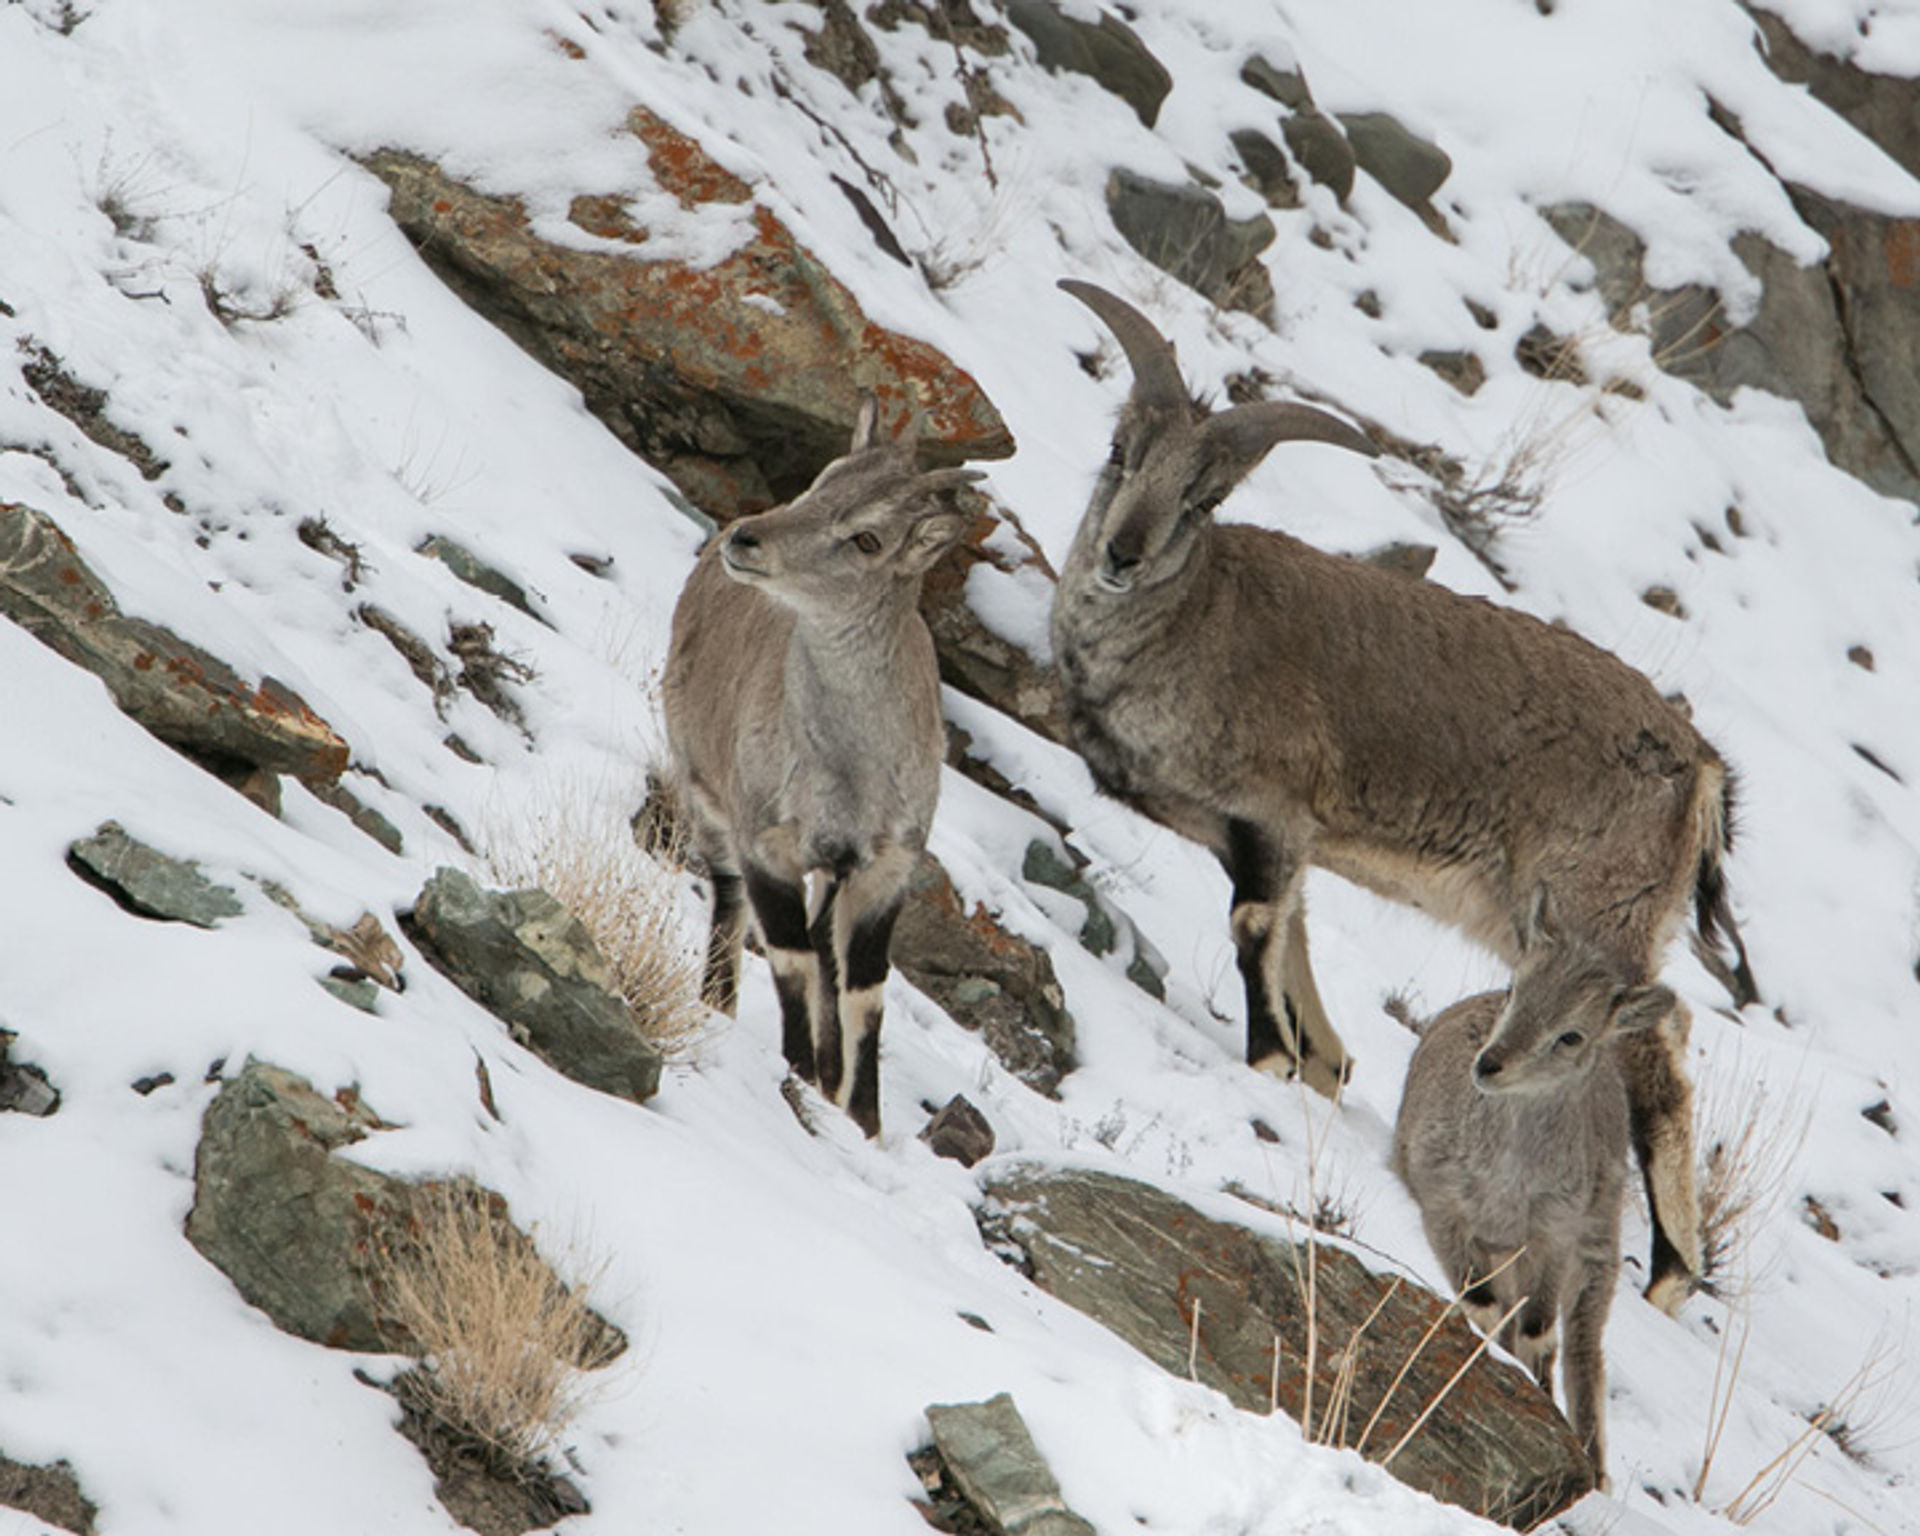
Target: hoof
1316	1072
1669	1292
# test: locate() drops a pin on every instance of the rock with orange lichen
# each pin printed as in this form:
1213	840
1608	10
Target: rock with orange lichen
739	377
187	697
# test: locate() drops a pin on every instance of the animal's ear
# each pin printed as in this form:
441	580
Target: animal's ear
866	424
931	538
1238	439
1642	1007
1541	927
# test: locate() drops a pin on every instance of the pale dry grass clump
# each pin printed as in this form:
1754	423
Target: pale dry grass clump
581	845
1750	1142
505	1347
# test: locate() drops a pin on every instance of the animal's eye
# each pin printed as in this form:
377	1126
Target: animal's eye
867	542
1205	506
1116	456
1572	1040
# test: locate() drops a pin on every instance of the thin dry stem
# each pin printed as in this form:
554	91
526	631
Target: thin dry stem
1452	1381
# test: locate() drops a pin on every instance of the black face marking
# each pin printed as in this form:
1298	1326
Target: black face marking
1480	1295
867	949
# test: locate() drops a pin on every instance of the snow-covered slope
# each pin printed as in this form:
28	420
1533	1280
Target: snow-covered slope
797	1300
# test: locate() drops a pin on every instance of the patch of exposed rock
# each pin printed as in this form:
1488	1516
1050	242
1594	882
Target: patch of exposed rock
1214	1300
182	694
528	960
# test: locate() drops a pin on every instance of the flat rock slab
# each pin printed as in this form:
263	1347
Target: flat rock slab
990	1454
1143	1264
188	698
150	883
739	377
530	962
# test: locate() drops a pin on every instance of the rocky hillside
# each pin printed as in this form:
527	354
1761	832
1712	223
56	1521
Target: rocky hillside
369	377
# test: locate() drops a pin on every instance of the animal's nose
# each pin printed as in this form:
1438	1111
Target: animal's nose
743	538
1487	1067
1122	559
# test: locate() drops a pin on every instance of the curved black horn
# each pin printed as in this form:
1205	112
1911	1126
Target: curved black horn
1156	372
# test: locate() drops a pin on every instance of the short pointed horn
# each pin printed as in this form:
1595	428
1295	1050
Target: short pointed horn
1250	430
866	424
1156	372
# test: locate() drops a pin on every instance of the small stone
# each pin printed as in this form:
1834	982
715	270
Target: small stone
990	1453
1861	657
959	1131
1664	600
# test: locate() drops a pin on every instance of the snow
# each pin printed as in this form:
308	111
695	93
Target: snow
796	1301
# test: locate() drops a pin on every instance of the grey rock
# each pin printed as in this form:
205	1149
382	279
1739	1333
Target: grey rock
1841	337
1266	167
1199	1295
1880	106
182	694
990	1453
1184	230
1406	165
987	979
1107	51
1323	151
290	1224
530	962
959	1131
24	1088
1284	83
303	1234
148	882
476	573
50	1493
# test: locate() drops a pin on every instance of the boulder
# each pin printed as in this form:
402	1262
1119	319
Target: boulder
1107	51
741	377
1406	165
295	1228
26	1090
1880	106
959	1131
1184	230
149	883
1314	139
305	1236
1214	1300
1841	337
531	962
182	694
988	980
988	1452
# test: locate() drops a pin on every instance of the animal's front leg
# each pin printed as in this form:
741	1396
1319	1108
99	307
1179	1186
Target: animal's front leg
1585	1371
780	910
1288	1032
720	977
863	915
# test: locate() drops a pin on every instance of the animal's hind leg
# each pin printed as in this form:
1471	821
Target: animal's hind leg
1660	1108
780	909
1288	1032
720	977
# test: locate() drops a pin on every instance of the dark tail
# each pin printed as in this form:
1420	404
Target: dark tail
1716	932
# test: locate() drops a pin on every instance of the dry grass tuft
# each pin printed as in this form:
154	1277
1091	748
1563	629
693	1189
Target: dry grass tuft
506	1347
621	878
1750	1144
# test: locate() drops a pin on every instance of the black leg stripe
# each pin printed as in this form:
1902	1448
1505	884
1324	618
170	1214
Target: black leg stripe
779	908
867	949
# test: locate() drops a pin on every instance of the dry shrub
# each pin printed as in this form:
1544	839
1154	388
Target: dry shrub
505	1346
621	878
1749	1145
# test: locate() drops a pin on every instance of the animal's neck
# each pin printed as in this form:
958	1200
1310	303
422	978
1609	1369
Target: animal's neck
852	660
